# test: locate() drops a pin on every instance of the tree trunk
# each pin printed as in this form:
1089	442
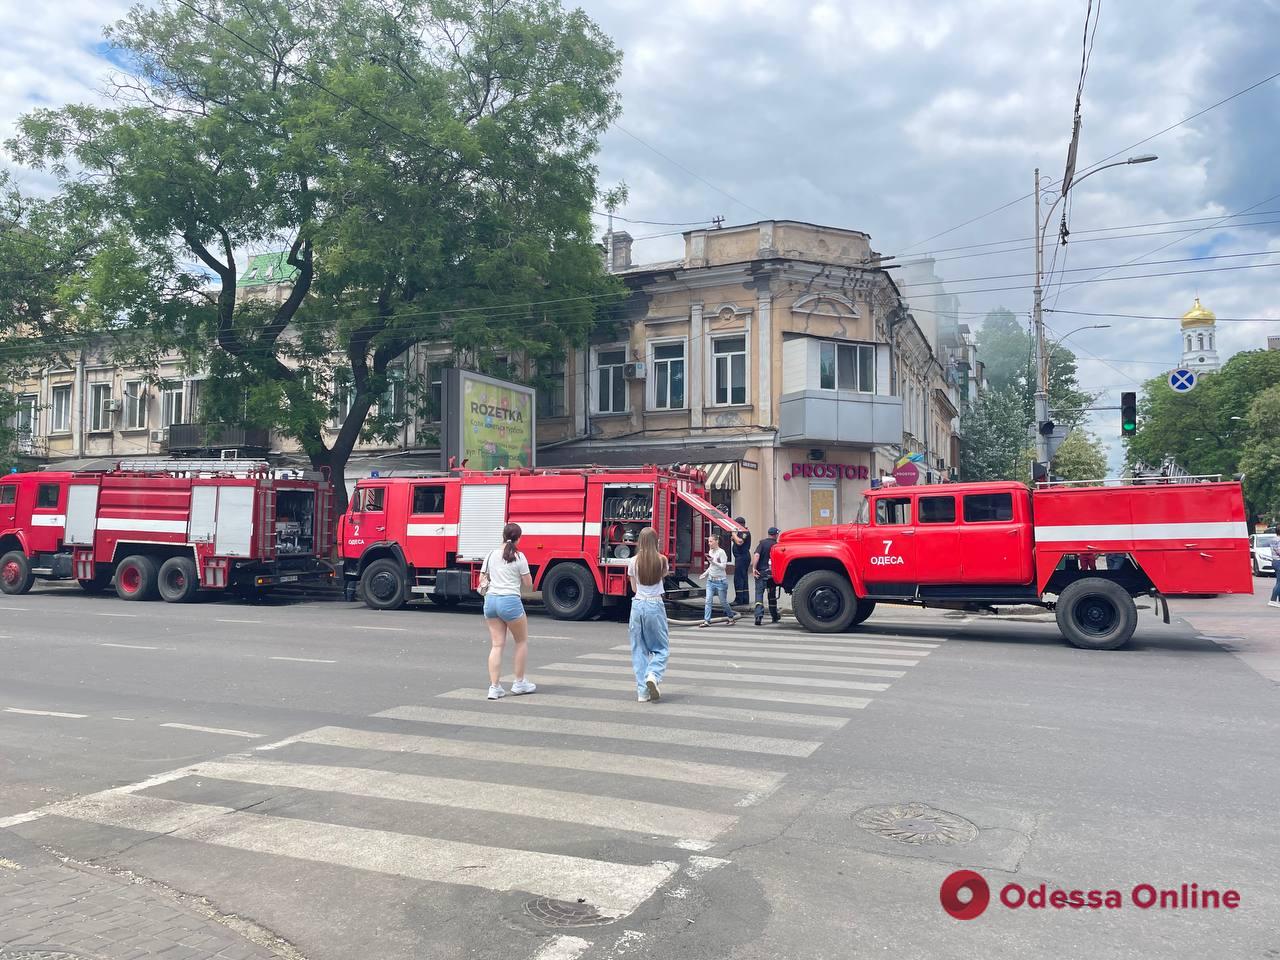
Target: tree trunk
326	459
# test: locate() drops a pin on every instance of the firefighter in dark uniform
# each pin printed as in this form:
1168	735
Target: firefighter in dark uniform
741	565
761	575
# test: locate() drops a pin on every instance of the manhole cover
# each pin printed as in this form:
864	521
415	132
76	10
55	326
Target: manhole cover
562	913
915	823
39	953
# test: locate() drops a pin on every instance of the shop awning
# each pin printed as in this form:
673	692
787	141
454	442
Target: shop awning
721	476
714	514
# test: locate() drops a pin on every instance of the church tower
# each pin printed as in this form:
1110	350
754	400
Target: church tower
1199	331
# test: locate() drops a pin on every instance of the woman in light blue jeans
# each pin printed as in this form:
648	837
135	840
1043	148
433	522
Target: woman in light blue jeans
648	626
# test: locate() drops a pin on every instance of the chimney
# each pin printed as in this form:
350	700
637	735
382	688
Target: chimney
618	249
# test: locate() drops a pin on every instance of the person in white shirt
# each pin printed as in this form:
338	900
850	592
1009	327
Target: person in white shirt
717	581
503	576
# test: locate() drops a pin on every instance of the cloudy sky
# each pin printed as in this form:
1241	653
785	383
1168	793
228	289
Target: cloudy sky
905	120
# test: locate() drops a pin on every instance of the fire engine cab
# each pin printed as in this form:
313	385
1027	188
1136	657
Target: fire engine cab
166	528
1083	551
405	538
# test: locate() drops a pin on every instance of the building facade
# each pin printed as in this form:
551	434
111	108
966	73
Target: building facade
780	356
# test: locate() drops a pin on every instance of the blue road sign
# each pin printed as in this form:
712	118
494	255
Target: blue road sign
1182	381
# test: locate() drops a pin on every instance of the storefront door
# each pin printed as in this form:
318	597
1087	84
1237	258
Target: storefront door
822	505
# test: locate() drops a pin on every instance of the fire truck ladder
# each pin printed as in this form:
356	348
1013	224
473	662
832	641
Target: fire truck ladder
222	468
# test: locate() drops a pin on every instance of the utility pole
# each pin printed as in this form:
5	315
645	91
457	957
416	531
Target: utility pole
1042	362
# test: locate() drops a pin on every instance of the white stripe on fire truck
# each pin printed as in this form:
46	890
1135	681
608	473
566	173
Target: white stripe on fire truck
614	889
606	731
658	819
1143	531
48	519
574	529
431	529
132	524
630	765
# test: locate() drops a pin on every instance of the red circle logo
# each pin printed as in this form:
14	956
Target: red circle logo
979	894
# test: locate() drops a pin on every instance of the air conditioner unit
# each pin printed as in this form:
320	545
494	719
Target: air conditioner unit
633	371
230	454
160	436
111	406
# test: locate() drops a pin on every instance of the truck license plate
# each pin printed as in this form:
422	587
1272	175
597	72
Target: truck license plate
289	579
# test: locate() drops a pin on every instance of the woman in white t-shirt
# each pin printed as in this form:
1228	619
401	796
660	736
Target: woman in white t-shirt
647	629
506	572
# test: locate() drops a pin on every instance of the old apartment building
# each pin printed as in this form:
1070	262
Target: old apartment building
781	356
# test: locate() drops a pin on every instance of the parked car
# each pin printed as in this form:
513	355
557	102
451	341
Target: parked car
1260	550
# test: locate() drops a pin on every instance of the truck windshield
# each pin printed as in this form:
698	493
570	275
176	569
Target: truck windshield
864	512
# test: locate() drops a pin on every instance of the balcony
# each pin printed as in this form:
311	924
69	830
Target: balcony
194	438
835	416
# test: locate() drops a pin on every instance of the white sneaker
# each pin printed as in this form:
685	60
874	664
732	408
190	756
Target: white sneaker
643	697
496	692
523	686
1273	603
651	683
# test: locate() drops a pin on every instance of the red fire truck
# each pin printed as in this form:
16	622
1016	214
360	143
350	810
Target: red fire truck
404	538
166	528
1083	551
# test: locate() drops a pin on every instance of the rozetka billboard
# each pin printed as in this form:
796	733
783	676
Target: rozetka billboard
487	423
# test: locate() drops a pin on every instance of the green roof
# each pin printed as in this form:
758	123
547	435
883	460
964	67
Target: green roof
266	268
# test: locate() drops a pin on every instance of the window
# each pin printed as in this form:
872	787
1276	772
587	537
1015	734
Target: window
551	391
8	493
937	510
988	507
369	500
847	366
391	403
729	374
668	376
611	386
47	496
135	405
60	415
893	511
171	406
428	499
99	415
24	417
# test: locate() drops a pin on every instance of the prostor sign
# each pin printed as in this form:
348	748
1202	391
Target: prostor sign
827	471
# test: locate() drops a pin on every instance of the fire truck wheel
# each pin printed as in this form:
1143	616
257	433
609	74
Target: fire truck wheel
136	578
1096	614
569	593
178	580
383	584
865	609
15	572
824	602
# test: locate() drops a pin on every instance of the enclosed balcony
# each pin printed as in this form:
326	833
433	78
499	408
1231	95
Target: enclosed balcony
835	392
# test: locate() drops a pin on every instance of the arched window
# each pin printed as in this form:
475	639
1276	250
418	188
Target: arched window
1188	343
1211	341
1200	340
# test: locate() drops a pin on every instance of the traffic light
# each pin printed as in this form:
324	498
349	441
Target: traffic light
1128	414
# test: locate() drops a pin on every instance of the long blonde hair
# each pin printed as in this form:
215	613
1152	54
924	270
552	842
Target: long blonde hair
651	566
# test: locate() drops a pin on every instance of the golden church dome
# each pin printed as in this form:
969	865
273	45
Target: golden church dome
1198	316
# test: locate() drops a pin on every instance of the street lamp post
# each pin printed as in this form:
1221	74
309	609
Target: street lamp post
1042	357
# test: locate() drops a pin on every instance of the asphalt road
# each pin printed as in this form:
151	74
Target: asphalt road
336	775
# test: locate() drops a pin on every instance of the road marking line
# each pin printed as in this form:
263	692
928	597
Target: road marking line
301	660
656	819
552	636
614	889
898	648
779	657
732	693
226	620
15	608
128	646
562	948
46	713
747	693
123	718
652	768
606	731
757	665
812	640
52	808
221	730
619	705
365	626
131	616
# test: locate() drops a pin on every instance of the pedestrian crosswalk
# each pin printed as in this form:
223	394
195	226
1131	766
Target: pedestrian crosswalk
628	798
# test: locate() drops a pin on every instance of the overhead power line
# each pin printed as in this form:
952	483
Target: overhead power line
1150	316
701	179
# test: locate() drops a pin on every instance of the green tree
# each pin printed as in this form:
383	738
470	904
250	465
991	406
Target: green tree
993	443
1081	456
1005	348
1260	457
428	165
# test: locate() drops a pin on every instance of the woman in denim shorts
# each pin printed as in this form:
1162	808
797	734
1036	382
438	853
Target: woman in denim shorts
507	573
